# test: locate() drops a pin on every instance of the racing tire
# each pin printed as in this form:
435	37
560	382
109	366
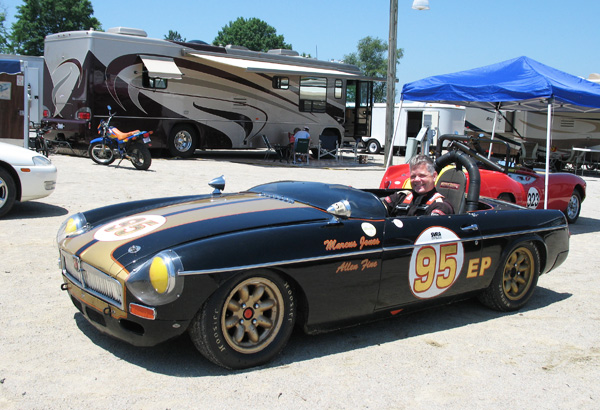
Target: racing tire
8	192
182	142
140	157
246	322
373	147
573	208
515	280
101	153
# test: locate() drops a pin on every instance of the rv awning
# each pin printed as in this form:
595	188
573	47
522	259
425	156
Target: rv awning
10	66
254	66
161	67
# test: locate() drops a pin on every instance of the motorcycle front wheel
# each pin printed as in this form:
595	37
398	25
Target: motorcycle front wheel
139	154
101	153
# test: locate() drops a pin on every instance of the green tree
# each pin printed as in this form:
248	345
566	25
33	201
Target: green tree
38	18
3	33
174	36
252	33
372	59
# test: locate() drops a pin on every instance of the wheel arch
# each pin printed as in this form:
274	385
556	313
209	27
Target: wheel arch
536	241
11	171
580	190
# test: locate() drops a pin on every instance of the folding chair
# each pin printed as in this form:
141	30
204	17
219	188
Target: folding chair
270	148
301	149
328	147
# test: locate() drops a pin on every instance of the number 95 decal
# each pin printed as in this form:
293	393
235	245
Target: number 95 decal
436	264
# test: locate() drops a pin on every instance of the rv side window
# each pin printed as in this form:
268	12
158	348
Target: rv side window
282	83
337	92
153	82
313	94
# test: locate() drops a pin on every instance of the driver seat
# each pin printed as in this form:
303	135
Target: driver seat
452	183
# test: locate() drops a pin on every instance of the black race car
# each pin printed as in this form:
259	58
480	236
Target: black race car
238	271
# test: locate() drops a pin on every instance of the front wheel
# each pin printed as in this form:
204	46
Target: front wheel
246	322
515	280
101	153
8	192
573	208
139	154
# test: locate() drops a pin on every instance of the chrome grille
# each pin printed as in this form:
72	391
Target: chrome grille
92	280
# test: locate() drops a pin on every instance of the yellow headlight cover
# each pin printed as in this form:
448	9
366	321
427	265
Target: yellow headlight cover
159	275
71	226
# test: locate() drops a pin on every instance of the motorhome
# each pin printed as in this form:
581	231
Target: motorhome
528	130
195	95
409	118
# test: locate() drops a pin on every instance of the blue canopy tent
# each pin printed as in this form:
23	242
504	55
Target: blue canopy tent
520	84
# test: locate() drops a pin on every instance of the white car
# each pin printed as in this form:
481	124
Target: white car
24	175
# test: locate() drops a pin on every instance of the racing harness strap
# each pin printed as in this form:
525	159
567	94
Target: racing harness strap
405	204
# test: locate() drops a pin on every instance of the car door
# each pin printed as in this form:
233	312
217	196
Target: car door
429	258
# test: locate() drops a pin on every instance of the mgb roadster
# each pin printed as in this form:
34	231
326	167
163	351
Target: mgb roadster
238	271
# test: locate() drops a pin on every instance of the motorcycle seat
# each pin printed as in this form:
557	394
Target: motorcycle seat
116	133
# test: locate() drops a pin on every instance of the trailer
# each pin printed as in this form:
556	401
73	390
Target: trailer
409	118
21	96
195	95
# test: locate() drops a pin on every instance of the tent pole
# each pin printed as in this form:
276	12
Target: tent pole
548	136
389	154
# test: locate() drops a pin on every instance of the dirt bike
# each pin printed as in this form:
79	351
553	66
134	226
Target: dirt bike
113	143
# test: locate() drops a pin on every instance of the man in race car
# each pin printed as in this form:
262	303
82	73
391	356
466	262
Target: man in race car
423	198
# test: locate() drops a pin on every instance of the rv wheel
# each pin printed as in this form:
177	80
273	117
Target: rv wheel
183	140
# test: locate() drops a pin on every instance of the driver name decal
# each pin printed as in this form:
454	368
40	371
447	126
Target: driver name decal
436	264
352	267
128	228
334	245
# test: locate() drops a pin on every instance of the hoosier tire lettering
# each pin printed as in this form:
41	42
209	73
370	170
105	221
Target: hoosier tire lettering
247	321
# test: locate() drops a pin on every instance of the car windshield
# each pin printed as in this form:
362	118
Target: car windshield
363	204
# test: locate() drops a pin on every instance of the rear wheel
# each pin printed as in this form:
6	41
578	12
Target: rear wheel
101	153
140	157
246	322
183	140
573	207
515	280
8	192
373	147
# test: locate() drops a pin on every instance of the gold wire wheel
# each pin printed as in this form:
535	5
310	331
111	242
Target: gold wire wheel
519	273
253	315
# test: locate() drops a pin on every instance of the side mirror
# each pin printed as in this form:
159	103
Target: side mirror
341	209
218	184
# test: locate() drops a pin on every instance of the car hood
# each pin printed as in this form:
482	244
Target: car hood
113	245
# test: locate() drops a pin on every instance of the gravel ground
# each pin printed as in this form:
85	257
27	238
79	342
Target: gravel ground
546	356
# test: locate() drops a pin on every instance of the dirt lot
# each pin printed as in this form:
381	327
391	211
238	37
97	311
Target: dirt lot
458	356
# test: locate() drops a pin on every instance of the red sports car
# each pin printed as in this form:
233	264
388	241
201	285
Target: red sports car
518	185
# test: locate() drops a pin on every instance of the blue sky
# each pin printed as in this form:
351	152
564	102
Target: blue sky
453	35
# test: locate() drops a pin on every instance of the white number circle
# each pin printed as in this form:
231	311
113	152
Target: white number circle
436	264
130	227
533	198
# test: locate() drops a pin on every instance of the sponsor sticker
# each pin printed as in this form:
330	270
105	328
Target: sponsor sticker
131	227
369	229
